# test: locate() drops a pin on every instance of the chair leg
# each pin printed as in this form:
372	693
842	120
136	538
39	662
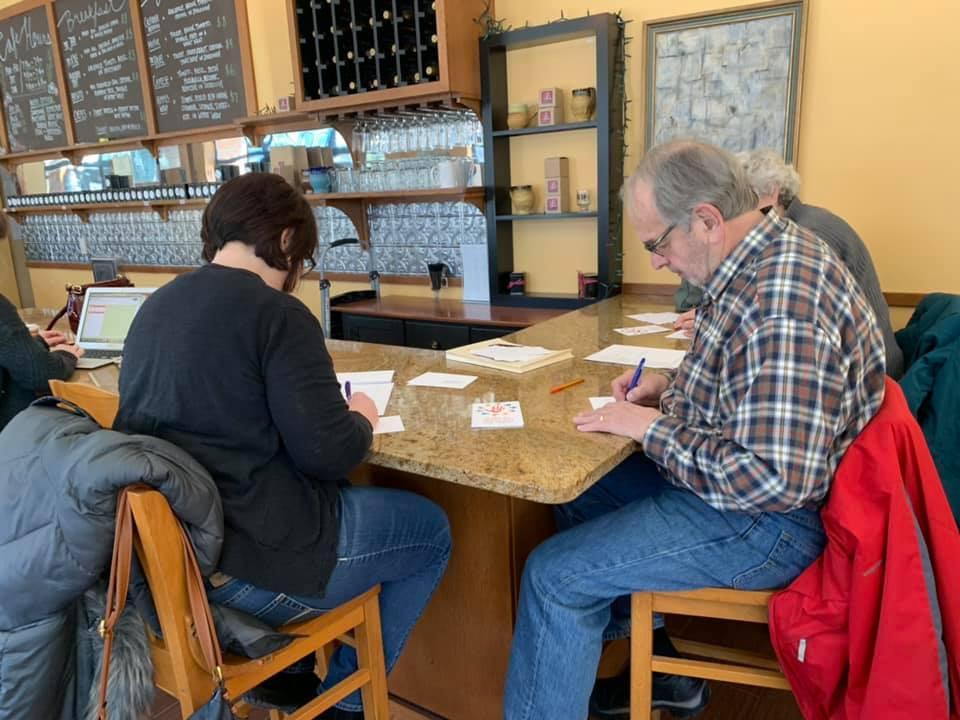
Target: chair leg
376	705
641	656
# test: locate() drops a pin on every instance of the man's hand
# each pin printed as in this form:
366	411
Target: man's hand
647	391
363	404
74	350
685	322
620	418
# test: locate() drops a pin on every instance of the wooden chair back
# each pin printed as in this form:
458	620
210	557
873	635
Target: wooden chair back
178	664
101	404
725	664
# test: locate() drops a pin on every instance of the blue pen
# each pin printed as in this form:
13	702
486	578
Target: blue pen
346	389
636	374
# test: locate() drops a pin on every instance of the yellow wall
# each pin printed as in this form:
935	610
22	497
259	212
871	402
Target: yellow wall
877	137
877	126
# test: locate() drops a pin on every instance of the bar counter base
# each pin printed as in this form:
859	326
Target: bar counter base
455	662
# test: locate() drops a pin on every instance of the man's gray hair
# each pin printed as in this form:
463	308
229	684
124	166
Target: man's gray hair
686	173
766	171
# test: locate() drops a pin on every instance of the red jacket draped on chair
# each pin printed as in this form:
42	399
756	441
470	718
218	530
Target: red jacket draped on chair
871	630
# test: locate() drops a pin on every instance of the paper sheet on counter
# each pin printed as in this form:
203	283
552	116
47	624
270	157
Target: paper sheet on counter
631	354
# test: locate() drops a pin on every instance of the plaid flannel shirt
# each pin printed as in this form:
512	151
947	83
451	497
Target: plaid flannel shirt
785	368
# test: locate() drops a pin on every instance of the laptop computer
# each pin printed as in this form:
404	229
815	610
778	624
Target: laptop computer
105	320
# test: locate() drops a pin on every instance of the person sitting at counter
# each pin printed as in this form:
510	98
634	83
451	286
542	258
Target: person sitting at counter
739	447
777	184
28	364
227	364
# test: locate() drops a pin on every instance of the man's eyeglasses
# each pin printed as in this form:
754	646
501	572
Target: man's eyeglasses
655	244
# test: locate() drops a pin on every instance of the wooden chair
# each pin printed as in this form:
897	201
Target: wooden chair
101	404
177	668
738	666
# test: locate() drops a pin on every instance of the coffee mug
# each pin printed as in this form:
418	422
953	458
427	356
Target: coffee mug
449	174
438	275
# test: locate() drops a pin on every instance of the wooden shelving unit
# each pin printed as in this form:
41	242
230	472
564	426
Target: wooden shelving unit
354	205
566	127
605	28
545	216
83	210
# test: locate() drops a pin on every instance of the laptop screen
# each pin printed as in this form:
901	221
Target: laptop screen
108	314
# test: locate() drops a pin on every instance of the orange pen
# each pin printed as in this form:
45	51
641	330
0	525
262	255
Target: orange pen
570	384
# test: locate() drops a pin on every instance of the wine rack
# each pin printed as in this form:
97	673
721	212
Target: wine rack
355	55
357	46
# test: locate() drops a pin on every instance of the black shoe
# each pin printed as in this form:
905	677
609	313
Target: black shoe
683	697
285	691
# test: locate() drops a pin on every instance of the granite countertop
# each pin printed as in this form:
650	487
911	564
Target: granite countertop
548	460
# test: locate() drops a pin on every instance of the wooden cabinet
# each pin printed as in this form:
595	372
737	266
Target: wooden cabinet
386	331
358	55
480	333
417	333
435	336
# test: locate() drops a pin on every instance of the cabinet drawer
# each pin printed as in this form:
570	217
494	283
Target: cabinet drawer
387	331
479	333
436	336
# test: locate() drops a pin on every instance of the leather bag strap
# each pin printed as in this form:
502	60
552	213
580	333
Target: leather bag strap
116	599
117	587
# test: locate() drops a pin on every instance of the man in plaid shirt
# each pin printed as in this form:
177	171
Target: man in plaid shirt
786	367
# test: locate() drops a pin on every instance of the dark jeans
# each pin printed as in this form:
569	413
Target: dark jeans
395	538
633	531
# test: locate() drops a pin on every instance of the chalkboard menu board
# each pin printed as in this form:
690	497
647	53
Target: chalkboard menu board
100	61
195	62
28	79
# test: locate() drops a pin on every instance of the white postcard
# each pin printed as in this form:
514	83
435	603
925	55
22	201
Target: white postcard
378	392
362	378
451	381
497	415
509	352
641	330
631	354
598	402
660	318
678	335
389	424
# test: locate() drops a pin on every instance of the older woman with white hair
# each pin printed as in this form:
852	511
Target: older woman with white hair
777	185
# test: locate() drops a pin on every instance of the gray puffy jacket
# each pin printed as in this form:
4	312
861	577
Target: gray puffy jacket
59	478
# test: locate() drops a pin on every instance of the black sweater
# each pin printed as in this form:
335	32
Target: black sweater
237	374
26	365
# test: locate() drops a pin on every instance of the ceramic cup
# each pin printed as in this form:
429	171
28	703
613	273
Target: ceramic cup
583	200
521	197
517	116
582	103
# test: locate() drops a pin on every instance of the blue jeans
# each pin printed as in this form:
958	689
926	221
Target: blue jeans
395	538
633	531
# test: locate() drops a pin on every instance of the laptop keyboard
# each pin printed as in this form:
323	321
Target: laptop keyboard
102	354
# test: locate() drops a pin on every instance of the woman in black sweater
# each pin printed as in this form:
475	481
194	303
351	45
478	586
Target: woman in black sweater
28	363
225	363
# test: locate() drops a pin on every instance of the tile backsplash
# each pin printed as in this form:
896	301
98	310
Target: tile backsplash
404	237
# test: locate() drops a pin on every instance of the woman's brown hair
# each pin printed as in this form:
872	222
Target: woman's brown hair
255	209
